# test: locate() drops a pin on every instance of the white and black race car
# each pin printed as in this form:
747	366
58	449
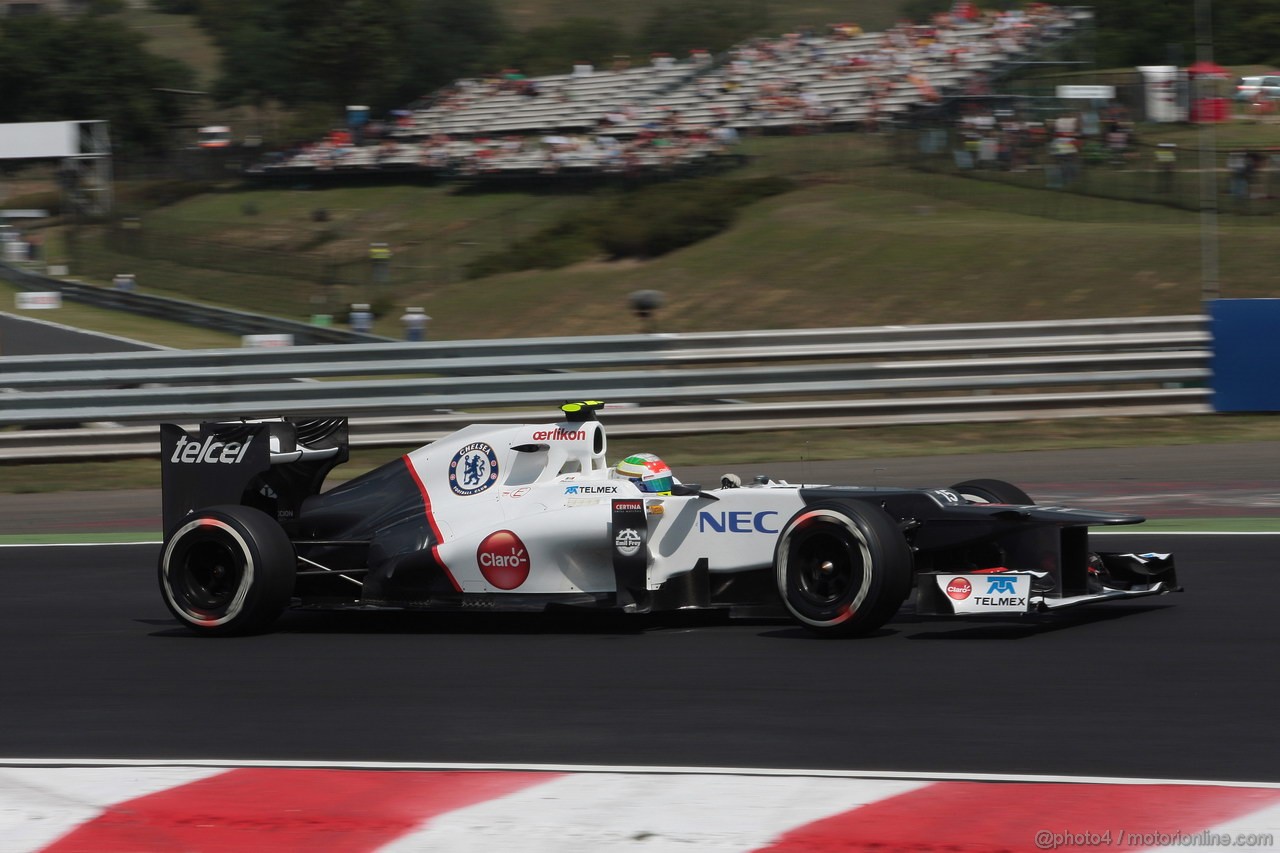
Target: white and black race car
529	517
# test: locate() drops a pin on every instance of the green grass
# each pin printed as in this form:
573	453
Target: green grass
122	324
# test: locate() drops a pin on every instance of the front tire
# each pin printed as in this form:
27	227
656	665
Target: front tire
843	569
988	491
227	570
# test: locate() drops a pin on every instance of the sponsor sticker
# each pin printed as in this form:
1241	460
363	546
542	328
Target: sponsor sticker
739	521
503	559
473	469
981	593
590	490
628	506
627	541
1002	586
959	588
560	434
191	452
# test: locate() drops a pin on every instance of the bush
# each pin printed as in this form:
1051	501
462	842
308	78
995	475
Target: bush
643	223
150	194
50	200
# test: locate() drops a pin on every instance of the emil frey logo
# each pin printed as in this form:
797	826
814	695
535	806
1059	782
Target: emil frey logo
627	541
228	453
959	589
473	469
503	559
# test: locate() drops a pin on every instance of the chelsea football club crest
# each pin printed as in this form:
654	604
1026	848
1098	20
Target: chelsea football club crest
473	469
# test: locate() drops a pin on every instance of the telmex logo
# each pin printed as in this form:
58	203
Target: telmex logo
228	453
738	522
590	490
999	585
560	435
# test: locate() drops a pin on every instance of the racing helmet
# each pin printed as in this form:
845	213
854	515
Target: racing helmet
648	472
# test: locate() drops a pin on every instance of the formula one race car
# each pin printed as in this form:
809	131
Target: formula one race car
530	517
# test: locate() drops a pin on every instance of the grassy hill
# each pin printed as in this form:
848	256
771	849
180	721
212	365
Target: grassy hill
859	242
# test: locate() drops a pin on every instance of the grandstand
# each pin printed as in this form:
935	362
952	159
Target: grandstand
672	116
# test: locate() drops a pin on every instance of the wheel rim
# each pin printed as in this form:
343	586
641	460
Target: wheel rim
210	575
827	566
208	571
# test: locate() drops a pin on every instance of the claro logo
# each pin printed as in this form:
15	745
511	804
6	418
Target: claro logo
503	559
228	453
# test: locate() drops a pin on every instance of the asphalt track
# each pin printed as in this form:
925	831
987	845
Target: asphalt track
31	336
1182	686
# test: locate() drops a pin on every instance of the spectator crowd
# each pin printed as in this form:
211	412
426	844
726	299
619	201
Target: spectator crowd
671	115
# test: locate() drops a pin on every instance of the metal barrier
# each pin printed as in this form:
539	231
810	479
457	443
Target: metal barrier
672	383
192	313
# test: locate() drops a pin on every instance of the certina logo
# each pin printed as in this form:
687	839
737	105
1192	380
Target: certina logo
627	506
738	522
560	434
503	559
473	469
590	490
959	588
627	541
227	453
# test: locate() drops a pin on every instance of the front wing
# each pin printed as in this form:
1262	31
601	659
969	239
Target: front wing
1001	593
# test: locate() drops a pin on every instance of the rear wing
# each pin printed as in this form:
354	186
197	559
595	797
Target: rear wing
272	465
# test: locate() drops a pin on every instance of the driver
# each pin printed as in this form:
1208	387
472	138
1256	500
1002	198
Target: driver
648	472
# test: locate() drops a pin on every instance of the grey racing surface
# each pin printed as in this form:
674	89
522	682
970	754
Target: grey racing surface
29	336
1177	686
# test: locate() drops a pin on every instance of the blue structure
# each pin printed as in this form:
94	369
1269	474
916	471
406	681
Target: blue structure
1246	355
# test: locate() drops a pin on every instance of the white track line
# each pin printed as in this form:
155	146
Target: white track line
629	769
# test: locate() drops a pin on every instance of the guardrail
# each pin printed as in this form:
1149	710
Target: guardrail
163	308
670	383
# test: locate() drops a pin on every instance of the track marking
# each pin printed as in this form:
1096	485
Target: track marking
630	769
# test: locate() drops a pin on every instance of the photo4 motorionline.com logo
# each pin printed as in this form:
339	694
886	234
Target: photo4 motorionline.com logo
1049	840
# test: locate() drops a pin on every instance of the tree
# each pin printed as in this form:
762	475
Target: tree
678	27
1151	32
554	49
447	40
376	52
89	68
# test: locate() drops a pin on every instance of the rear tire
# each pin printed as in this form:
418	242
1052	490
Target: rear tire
843	569
227	570
986	491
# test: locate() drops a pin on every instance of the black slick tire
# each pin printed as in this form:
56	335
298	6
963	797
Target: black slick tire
987	491
843	568
227	570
